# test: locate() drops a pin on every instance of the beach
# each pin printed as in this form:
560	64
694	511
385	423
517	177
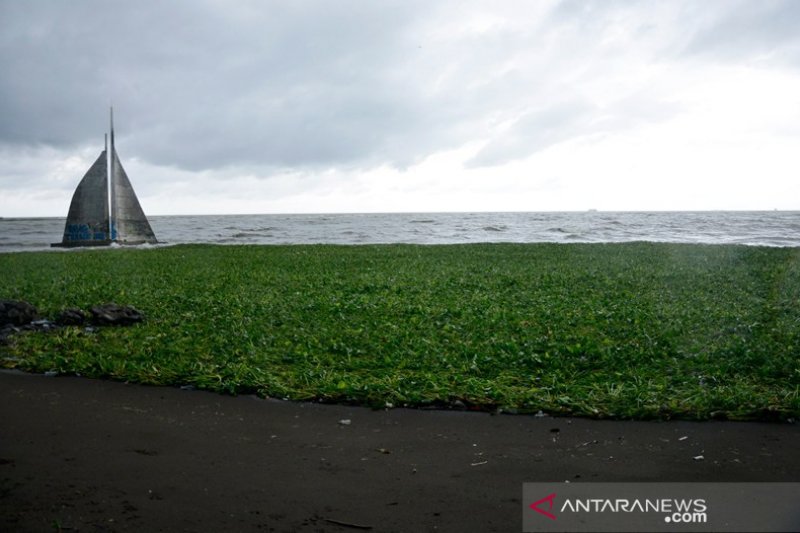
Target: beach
346	388
93	455
400	266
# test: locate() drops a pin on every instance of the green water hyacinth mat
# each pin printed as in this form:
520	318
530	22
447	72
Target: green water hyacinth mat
638	330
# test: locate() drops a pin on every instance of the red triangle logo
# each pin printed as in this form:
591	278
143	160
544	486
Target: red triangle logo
549	499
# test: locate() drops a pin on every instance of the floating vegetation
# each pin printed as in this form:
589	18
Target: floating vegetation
640	330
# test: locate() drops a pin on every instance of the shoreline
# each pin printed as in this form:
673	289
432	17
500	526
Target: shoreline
81	453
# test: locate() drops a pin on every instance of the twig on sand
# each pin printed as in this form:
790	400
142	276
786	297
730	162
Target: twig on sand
347	524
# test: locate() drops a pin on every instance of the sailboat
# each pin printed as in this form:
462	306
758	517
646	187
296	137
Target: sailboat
97	218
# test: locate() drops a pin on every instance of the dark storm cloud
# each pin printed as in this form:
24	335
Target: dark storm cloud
204	84
201	85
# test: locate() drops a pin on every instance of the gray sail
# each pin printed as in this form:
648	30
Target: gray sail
87	220
129	224
89	223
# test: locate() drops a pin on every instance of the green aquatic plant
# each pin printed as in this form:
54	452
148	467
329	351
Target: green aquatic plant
639	330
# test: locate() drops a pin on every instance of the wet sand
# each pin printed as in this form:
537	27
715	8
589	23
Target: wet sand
93	455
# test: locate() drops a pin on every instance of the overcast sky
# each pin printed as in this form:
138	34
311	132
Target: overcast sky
228	106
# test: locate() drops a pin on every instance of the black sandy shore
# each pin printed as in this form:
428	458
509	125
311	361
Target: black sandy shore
88	455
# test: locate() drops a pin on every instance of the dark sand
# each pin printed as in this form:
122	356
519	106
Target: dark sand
102	456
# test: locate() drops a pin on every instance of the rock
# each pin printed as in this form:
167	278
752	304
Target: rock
17	313
71	316
35	325
41	325
112	314
6	332
458	404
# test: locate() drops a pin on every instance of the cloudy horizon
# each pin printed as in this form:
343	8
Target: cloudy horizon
404	106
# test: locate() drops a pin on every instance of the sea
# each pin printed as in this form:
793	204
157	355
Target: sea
755	228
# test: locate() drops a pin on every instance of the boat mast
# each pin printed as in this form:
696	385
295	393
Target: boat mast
113	205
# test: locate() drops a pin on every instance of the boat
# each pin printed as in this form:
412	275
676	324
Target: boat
104	207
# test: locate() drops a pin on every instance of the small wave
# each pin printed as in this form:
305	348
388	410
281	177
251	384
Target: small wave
423	221
499	228
248	234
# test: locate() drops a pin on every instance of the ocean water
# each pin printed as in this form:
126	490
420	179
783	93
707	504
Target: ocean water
767	228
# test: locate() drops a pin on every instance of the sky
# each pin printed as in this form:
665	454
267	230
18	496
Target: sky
319	106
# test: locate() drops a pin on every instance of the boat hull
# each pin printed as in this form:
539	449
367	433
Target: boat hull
78	244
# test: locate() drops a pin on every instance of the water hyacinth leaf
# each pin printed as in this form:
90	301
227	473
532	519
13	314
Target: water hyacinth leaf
634	330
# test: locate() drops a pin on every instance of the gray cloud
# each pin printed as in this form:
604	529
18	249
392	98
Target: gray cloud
749	30
202	85
207	84
536	131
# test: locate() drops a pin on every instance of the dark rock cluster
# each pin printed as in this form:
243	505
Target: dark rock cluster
115	315
18	315
71	316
